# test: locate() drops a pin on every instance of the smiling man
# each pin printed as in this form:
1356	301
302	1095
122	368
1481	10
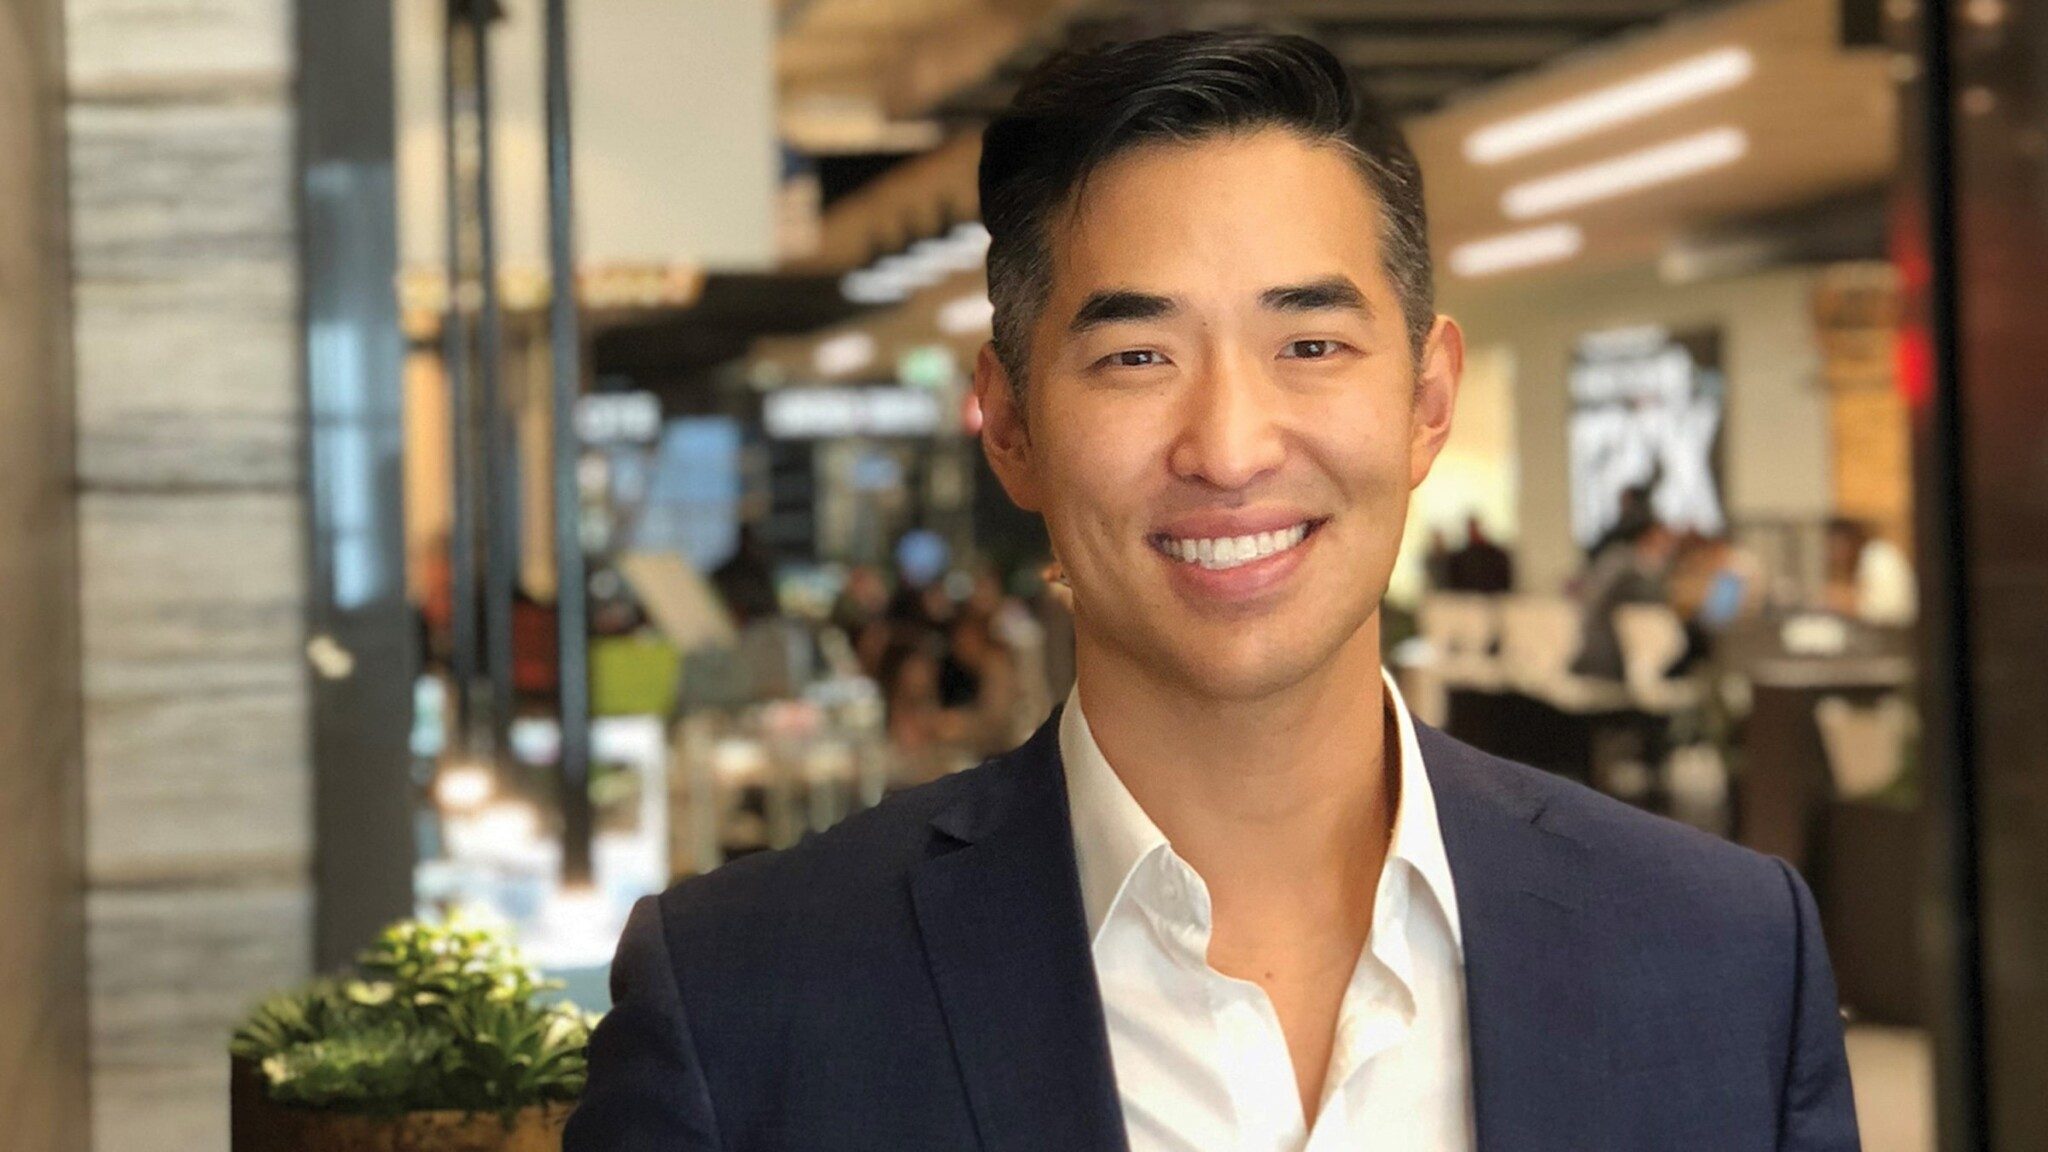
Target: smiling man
1232	897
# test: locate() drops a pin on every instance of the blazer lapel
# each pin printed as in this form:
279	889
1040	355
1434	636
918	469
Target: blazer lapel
1531	978
1000	913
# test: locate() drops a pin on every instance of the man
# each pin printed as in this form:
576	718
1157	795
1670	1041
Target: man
1481	566
1231	896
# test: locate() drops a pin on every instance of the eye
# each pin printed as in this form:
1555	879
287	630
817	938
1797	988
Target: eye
1131	358
1312	349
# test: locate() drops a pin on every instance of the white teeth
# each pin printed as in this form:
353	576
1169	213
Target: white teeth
1231	551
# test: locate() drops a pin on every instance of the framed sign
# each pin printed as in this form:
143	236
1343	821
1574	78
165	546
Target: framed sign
1647	408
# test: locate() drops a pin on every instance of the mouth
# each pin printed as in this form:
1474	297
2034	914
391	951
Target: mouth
1222	553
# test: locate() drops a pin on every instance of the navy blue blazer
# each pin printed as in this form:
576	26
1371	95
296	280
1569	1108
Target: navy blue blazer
919	978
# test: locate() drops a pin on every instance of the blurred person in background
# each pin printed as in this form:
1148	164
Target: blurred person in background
860	612
861	600
746	581
1232	895
1713	585
909	679
1479	565
1868	577
1634	568
978	686
1635	510
1436	562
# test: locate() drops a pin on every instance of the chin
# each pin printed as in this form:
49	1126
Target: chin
1247	671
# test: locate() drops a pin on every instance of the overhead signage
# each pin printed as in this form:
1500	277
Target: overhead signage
606	418
1647	409
823	413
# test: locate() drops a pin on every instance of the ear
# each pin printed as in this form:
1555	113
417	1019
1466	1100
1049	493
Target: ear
1005	434
1442	365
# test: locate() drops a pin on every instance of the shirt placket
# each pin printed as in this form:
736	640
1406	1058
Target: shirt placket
1377	1016
1246	1038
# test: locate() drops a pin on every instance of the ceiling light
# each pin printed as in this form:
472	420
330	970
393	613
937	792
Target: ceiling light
464	786
1545	245
969	244
866	286
966	315
844	354
1630	172
1689	79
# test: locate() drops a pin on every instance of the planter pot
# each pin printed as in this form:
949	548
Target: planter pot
259	1125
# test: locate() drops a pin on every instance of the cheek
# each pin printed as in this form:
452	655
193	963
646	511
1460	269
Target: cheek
1367	452
1098	470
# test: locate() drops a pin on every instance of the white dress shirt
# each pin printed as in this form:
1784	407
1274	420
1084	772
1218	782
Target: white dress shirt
1201	1062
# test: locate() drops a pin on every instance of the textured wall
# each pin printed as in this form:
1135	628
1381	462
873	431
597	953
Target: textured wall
198	836
42	992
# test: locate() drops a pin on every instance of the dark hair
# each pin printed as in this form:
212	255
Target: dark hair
1079	110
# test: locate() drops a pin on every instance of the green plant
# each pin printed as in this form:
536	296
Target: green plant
377	1069
447	1017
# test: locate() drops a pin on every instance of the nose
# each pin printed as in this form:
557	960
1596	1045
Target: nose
1230	431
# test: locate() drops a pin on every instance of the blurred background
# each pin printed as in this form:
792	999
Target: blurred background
506	455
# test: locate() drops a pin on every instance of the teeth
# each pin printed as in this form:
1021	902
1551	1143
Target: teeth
1231	551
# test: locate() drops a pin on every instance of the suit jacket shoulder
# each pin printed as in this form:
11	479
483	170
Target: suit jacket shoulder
1697	965
1635	858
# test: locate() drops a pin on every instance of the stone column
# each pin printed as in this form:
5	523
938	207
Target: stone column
198	836
42	989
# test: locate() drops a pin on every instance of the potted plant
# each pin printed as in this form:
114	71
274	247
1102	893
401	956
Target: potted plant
443	1044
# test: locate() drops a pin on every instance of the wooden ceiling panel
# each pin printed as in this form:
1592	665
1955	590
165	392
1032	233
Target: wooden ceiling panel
1820	119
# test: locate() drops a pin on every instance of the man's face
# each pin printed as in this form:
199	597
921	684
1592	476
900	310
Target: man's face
1224	416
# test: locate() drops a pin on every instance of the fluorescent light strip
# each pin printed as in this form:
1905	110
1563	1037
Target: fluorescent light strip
1630	172
1554	124
1510	250
844	354
966	315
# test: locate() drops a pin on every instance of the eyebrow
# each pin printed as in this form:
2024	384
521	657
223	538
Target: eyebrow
1117	305
1122	304
1329	292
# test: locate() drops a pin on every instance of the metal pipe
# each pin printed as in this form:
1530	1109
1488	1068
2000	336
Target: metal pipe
565	340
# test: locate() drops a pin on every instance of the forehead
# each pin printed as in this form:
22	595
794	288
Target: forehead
1260	208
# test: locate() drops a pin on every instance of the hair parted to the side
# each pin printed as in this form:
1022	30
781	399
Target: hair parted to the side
1079	110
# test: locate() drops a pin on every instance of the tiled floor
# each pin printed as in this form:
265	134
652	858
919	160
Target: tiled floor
1894	1073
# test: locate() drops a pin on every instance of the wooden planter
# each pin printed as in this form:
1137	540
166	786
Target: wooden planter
258	1125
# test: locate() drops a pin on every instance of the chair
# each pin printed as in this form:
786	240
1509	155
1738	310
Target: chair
1866	747
1652	640
1460	629
1540	636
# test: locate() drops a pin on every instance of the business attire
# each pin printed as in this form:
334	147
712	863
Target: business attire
1201	1062
925	977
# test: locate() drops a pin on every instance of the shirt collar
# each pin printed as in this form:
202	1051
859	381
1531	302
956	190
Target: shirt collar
1113	835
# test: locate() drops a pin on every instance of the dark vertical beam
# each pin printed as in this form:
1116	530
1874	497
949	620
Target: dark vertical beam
1990	136
361	694
565	339
455	360
500	501
1931	285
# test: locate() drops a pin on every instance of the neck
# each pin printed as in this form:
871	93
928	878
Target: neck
1282	804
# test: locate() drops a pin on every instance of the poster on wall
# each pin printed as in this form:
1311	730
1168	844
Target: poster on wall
1647	409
